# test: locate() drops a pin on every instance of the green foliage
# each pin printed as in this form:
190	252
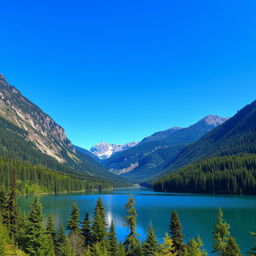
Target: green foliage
224	175
253	251
167	247
131	243
176	234
221	235
73	222
32	179
99	225
150	246
232	248
194	248
36	241
60	241
86	230
112	241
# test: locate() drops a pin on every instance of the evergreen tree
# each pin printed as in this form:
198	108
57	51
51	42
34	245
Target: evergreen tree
221	235
194	248
131	243
12	207
232	248
73	222
151	246
121	250
50	229
253	251
176	234
4	208
99	249
167	247
86	230
112	241
35	240
3	239
99	225
60	240
66	250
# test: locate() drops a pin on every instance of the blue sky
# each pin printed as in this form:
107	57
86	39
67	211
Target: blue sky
118	71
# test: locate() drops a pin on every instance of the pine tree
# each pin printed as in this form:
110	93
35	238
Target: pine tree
131	243
121	250
35	240
167	247
60	240
176	234
112	241
50	228
12	207
3	239
194	247
151	246
253	251
4	208
99	249
73	222
86	230
232	248
99	225
66	250
221	235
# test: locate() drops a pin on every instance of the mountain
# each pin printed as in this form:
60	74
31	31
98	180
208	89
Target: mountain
30	135
222	161
236	135
149	157
48	137
105	150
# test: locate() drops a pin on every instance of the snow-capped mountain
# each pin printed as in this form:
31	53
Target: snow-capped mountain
105	150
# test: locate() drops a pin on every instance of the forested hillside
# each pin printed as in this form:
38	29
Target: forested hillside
234	174
236	135
33	179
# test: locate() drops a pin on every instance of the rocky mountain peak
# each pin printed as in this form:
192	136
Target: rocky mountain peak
214	120
105	150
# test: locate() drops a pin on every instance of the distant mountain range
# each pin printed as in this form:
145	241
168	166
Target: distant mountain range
105	150
152	154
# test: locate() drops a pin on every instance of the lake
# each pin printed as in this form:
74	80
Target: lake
198	213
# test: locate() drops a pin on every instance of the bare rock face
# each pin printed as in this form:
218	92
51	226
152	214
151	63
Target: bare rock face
47	136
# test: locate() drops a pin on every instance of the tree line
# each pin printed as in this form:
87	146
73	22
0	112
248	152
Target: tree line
234	174
32	235
32	179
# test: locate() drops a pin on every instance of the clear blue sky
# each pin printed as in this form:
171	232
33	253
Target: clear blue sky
118	71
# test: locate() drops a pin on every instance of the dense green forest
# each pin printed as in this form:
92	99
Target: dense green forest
234	174
32	179
35	235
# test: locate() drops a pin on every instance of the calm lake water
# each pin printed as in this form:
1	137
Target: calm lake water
198	213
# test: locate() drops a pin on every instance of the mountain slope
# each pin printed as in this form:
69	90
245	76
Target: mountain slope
105	150
28	134
235	174
236	135
149	157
